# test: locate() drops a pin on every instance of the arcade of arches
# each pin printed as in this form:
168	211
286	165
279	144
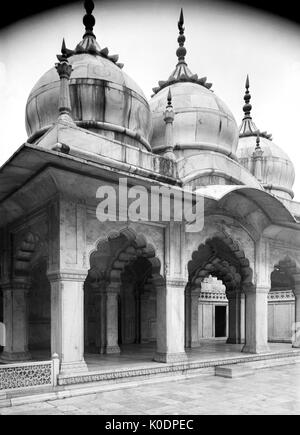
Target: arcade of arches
126	296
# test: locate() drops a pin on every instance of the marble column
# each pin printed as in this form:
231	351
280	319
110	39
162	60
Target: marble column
15	319
67	320
170	321
192	310
100	319
112	318
296	332
236	308
256	340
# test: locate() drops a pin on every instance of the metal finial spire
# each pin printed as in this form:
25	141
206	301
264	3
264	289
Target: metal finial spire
182	73
181	51
169	98
247	107
89	19
248	127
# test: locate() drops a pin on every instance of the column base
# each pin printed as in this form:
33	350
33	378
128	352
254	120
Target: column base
296	345
231	340
73	367
193	345
170	357
112	350
256	349
8	357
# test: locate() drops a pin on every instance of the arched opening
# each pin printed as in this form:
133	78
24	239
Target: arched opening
137	308
120	294
222	259
281	302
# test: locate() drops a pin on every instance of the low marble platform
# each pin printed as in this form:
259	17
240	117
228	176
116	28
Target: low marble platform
136	362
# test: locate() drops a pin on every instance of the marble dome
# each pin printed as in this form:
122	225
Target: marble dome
277	169
104	99
278	173
202	120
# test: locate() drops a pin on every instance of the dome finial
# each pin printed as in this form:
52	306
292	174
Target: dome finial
89	19
247	107
248	128
181	51
182	73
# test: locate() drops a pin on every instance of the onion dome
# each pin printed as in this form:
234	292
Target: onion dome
103	98
202	120
276	171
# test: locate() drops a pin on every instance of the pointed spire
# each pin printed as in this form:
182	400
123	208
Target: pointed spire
247	97
64	70
181	51
169	98
182	73
248	127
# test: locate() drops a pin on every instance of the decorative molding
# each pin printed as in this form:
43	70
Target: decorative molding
213	296
281	296
67	276
176	282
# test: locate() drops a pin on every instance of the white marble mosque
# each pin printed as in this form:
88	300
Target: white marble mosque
72	285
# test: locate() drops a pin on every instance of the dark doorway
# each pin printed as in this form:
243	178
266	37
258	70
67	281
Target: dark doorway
220	321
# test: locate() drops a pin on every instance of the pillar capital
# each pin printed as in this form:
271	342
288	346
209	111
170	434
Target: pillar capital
176	282
17	284
113	288
65	275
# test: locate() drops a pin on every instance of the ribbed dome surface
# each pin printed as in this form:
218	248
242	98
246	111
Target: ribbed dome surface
102	97
278	173
202	119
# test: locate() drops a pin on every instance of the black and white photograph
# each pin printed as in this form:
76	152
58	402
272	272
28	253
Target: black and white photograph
149	211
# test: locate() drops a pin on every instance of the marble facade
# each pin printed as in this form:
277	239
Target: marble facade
72	284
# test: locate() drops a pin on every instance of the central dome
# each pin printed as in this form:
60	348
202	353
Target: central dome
104	99
202	120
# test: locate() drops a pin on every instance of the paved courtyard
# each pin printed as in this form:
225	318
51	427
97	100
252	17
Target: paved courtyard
270	391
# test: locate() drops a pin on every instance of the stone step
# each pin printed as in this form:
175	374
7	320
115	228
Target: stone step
234	371
246	369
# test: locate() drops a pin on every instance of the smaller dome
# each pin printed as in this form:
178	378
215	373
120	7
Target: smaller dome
202	119
278	173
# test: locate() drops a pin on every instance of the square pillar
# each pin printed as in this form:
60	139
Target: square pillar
67	320
296	332
192	314
236	308
112	318
15	319
170	321
256	320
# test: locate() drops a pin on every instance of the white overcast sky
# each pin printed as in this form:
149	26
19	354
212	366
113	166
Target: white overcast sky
224	43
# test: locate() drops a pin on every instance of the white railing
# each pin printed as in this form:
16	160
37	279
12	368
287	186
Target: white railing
29	374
